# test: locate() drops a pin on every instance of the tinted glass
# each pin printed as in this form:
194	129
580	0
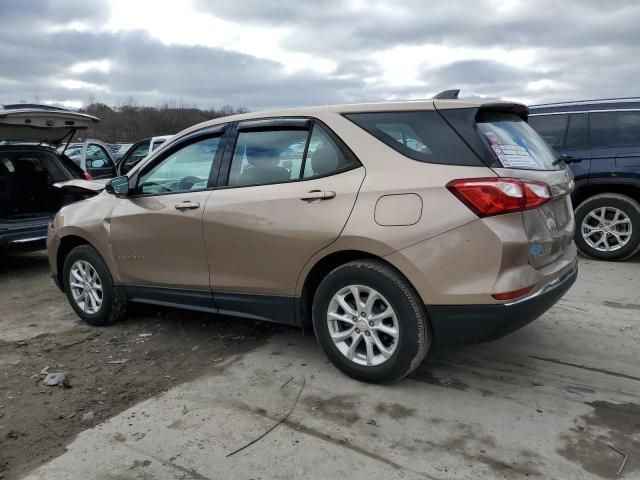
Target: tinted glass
577	132
420	135
137	154
267	156
515	143
615	129
551	128
324	157
186	169
97	157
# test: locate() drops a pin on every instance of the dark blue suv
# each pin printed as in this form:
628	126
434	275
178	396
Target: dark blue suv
600	140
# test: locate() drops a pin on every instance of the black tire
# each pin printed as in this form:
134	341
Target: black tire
414	336
114	300
631	209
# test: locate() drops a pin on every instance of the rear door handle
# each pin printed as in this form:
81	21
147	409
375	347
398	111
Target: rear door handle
317	195
188	205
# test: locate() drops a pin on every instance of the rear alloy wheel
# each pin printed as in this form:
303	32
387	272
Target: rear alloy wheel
608	227
363	325
370	322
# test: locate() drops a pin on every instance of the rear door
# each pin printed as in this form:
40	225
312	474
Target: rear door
568	135
616	145
287	188
521	153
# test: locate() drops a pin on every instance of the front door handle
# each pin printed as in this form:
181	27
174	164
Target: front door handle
570	159
317	195
188	205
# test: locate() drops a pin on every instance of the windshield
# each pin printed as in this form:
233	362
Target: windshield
515	143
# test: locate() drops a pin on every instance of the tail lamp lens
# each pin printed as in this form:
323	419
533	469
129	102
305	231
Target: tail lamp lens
87	175
487	197
512	295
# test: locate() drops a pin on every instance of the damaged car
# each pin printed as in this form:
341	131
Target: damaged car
33	174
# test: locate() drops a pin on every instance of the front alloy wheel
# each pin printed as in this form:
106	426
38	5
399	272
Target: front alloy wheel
86	287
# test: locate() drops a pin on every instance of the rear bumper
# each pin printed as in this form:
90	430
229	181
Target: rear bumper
468	324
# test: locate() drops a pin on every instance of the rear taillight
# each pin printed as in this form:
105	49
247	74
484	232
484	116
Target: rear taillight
87	175
495	196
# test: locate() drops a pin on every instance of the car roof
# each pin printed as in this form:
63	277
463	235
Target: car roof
410	105
630	103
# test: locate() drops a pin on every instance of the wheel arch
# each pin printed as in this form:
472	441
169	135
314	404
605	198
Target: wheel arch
631	190
321	268
67	243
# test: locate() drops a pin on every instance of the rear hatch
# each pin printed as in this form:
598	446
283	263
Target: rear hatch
40	124
512	149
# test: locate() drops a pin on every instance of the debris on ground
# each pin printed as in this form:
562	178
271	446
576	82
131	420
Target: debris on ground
118	362
88	416
624	459
295	402
58	379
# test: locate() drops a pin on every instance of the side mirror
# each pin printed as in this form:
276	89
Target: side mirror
118	186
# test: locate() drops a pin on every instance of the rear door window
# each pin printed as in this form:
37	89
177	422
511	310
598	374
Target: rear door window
615	129
551	128
515	143
421	135
277	155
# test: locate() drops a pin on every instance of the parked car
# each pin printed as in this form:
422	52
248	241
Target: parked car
600	140
399	226
118	150
29	168
93	156
138	151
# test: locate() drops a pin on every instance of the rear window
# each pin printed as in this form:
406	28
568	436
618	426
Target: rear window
421	135
515	143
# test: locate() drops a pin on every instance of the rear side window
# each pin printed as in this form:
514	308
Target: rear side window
279	155
615	129
515	143
551	128
421	135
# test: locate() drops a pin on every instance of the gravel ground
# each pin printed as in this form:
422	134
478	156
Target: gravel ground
544	402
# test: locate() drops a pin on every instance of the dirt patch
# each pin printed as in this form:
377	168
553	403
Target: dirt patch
339	408
587	441
111	369
395	410
621	306
423	374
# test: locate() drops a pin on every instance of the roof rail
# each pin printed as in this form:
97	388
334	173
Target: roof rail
595	100
447	95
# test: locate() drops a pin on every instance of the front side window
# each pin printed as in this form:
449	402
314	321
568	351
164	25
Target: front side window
275	156
97	157
186	169
615	129
551	128
577	132
135	156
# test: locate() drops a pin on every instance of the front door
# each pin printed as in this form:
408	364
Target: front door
289	191
157	231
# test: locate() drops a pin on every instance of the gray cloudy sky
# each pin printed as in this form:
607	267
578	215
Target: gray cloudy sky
264	53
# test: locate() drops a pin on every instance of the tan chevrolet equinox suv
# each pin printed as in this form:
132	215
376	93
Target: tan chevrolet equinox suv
389	227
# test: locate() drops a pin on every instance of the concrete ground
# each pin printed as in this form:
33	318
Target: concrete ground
544	402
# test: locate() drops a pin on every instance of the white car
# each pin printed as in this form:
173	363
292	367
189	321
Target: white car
92	156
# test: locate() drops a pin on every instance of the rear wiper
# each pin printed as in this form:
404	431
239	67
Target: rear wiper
557	161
